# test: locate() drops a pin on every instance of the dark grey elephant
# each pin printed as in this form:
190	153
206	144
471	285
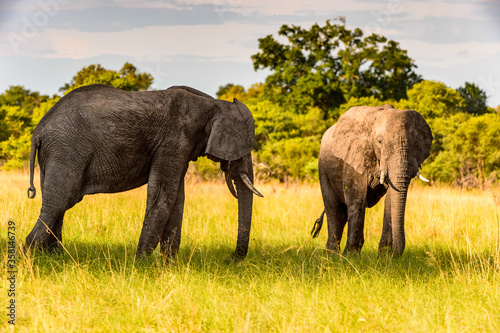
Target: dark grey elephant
99	139
371	151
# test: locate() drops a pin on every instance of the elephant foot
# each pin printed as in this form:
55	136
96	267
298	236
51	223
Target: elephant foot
142	253
54	248
44	239
169	249
333	248
350	250
384	252
385	247
234	258
168	255
388	251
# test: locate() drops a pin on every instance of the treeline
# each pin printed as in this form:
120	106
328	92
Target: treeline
315	76
21	109
465	151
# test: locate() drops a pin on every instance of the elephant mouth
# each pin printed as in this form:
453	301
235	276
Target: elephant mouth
215	159
385	177
246	180
230	175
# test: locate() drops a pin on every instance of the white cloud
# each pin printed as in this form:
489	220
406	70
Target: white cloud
157	4
437	24
213	41
449	56
418	10
414	9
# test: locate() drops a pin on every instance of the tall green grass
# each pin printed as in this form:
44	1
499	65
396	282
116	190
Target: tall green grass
448	279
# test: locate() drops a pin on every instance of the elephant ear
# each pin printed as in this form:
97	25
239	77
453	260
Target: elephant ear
421	131
232	134
352	139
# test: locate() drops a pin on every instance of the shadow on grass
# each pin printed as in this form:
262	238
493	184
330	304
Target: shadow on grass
306	261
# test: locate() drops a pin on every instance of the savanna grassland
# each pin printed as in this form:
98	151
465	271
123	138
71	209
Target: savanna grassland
448	279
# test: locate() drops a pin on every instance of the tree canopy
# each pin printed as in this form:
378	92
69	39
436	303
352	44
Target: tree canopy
22	109
127	78
474	99
325	66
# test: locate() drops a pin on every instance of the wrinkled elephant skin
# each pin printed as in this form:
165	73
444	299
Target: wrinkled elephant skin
99	139
369	153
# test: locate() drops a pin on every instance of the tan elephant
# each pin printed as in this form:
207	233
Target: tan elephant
370	152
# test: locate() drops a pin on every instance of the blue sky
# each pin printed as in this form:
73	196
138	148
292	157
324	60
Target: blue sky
208	43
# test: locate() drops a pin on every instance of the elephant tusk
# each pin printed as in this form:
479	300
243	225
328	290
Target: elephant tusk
422	178
249	184
382	177
230	185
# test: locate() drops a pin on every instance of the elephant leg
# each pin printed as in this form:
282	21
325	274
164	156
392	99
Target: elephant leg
163	185
336	214
355	236
47	232
171	236
386	240
59	193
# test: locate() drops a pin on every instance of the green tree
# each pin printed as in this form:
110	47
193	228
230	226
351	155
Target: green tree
443	130
22	97
474	99
16	135
17	105
15	151
294	158
477	144
128	78
273	123
235	91
223	90
360	101
327	65
470	156
432	99
286	143
231	91
20	124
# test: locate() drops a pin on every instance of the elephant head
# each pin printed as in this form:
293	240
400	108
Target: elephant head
230	142
381	150
401	141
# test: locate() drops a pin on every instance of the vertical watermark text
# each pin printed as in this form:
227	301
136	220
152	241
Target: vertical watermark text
11	272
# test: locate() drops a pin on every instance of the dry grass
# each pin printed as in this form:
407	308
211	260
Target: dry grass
448	280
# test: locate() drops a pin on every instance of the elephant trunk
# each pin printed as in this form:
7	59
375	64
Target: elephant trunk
400	174
245	202
398	203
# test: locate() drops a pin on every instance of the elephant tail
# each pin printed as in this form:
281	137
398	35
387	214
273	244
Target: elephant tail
34	148
317	225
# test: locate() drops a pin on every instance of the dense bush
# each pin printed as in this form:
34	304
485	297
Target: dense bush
294	158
